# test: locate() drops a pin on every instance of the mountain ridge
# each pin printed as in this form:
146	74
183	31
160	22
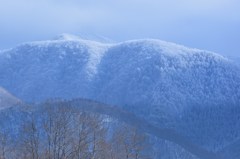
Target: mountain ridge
89	61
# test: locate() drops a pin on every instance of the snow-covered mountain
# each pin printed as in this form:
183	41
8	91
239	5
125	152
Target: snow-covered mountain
159	81
140	72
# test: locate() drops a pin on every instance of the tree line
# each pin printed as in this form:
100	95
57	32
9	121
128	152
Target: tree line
62	131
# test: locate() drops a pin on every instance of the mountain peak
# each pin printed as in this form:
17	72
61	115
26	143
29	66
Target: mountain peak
66	36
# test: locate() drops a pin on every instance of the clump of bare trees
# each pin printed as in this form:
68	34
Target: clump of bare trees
3	145
61	131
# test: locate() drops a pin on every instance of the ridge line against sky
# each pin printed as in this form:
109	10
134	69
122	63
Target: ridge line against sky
210	25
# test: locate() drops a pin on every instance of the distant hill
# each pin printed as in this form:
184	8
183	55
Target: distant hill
7	99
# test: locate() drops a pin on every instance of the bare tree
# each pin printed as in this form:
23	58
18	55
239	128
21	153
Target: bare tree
3	145
129	143
57	122
89	135
59	130
30	138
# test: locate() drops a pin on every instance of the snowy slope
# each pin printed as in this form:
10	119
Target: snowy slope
161	74
58	68
157	80
6	99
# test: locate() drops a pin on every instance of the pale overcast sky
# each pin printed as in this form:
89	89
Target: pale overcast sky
206	24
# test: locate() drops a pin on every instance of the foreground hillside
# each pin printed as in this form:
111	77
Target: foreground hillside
80	127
